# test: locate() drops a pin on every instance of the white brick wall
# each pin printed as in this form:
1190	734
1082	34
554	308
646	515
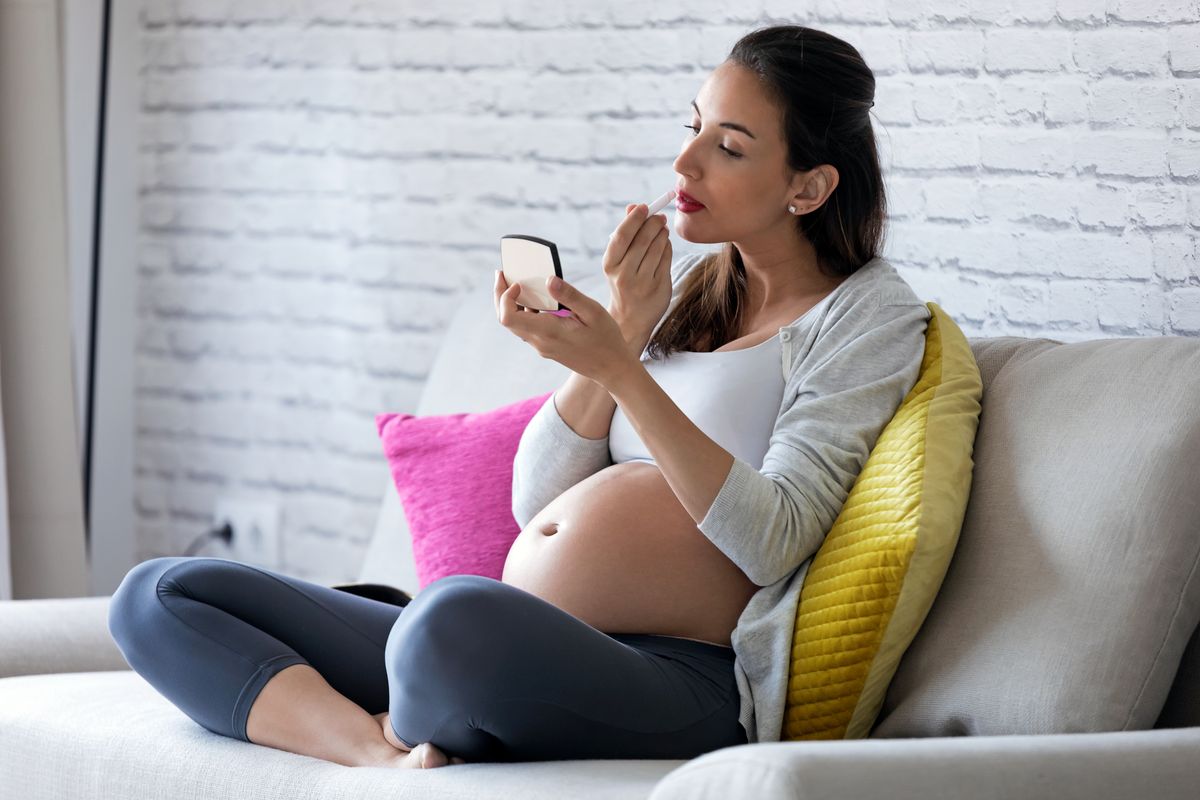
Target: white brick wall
321	179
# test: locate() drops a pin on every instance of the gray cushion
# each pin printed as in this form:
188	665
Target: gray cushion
1074	590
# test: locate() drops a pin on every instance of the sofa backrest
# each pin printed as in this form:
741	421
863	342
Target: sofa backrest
1073	598
481	366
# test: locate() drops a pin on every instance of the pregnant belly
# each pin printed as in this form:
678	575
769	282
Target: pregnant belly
619	551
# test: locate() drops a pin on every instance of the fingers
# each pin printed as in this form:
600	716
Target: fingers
654	229
507	309
505	297
664	261
628	243
654	252
635	216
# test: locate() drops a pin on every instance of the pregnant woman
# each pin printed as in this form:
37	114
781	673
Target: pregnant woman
671	494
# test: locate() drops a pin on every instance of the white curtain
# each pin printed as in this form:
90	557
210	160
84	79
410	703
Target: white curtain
41	527
5	567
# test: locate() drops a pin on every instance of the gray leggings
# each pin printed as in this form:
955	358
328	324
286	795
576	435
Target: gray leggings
483	670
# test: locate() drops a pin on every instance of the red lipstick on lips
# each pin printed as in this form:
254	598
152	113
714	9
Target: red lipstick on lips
686	203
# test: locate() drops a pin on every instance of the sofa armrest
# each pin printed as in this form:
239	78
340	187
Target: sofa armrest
70	634
1157	763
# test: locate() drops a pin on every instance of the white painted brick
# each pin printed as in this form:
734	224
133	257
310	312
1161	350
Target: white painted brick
1159	11
1038	202
156	14
1130	308
1072	303
881	48
1183	312
903	12
1102	205
1159	206
161	52
952	199
1095	256
963	298
1132	52
1177	256
1139	155
947	103
714	43
1019	102
945	51
914	148
1019	150
1004	12
1183	46
1189	103
1193	196
894	103
1183	155
1087	11
977	248
1018	301
262	11
975	101
549	93
211	12
941	11
1022	50
869	11
1140	103
1066	102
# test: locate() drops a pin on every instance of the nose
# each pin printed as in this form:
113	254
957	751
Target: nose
684	163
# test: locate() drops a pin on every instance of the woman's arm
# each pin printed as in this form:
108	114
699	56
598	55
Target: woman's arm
567	439
570	432
551	456
857	374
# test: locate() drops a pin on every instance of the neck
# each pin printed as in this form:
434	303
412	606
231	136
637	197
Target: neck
778	278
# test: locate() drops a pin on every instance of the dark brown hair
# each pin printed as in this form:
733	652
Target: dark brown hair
824	90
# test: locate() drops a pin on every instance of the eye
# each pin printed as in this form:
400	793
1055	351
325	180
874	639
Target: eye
695	131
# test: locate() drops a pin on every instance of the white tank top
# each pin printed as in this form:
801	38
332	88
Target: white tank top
732	395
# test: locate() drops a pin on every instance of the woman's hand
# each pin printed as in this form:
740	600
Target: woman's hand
637	263
587	341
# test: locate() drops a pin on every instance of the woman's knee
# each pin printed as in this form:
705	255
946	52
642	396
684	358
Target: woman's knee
454	620
135	601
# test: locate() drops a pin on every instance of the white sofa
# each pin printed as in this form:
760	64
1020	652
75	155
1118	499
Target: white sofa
75	722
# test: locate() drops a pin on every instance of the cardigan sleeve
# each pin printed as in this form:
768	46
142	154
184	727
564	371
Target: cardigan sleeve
551	458
843	392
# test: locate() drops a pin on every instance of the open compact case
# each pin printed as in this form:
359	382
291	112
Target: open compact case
529	261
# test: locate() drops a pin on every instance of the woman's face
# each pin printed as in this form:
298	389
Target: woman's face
741	178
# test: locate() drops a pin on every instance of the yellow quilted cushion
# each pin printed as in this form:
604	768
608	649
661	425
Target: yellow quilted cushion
878	571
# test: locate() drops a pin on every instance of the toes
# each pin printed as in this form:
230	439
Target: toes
429	757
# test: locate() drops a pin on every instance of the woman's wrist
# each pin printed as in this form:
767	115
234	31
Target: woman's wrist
636	336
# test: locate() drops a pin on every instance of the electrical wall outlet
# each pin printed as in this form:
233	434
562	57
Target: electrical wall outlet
255	526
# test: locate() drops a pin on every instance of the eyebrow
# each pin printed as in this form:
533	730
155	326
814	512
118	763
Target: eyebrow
732	125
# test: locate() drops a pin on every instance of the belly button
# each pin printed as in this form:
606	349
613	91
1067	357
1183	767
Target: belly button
550	528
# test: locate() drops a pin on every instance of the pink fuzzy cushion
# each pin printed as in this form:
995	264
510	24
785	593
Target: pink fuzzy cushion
454	476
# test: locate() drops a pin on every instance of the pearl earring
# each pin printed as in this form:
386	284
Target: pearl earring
792	209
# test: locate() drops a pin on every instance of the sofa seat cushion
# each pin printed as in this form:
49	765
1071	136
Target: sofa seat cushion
111	735
1075	586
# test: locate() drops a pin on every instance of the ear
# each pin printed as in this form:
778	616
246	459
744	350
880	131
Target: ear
815	186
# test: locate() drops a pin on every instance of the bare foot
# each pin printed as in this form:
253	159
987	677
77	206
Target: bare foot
423	756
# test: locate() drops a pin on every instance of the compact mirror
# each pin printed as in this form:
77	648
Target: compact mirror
529	261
